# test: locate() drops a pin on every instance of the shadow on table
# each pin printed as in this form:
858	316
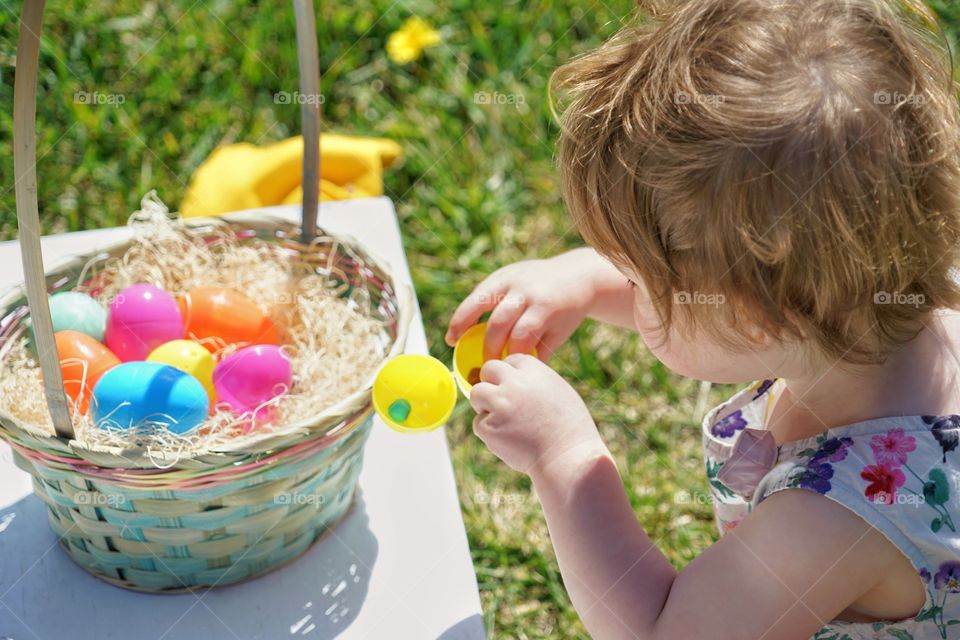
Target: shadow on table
43	594
466	629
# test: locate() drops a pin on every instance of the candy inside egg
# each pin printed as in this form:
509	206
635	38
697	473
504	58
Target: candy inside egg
399	410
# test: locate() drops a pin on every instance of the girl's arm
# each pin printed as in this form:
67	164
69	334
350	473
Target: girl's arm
613	296
791	566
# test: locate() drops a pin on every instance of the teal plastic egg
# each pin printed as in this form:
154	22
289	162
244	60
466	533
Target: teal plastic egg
75	311
149	395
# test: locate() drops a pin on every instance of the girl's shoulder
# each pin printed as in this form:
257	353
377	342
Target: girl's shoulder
902	466
902	476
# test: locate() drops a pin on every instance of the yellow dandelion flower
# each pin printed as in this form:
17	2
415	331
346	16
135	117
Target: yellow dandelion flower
407	43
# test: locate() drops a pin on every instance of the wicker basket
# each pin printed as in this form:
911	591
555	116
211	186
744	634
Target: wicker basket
229	514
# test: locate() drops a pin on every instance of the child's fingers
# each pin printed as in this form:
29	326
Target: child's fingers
482	299
483	426
524	363
549	343
527	331
499	326
521	361
481	397
493	371
478	421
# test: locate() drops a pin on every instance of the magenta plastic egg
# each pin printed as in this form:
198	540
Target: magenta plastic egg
141	318
252	376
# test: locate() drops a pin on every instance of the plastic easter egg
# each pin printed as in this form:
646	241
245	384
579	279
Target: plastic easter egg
468	357
142	317
252	376
76	311
149	395
216	317
414	393
190	357
83	361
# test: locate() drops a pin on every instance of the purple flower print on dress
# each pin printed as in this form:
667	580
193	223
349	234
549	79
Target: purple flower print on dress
948	577
833	450
818	471
729	425
892	448
946	581
763	388
946	431
816	476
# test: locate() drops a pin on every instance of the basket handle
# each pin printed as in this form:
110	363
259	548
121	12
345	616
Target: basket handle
28	216
309	66
25	174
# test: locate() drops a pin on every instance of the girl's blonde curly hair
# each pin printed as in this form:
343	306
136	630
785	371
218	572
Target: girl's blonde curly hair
800	158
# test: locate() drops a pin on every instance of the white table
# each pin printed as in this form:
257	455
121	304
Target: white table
397	567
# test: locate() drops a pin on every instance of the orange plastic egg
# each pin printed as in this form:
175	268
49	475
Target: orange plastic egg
216	317
83	361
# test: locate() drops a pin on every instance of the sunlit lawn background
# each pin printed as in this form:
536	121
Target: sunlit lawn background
477	189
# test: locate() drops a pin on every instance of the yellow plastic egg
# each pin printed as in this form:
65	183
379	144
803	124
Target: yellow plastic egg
190	357
468	357
414	393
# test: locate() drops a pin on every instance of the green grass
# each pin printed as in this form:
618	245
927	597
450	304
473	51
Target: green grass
477	189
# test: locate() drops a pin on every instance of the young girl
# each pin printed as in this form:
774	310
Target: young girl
772	192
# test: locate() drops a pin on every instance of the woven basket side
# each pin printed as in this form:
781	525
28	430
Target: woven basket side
160	541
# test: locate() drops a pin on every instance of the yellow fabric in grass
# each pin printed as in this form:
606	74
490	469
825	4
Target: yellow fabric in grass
246	176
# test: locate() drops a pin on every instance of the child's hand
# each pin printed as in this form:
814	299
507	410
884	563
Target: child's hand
534	304
528	415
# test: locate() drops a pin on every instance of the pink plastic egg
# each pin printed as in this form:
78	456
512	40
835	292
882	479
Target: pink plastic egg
252	376
141	318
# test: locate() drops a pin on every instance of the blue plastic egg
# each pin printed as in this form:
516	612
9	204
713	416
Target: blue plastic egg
76	311
151	395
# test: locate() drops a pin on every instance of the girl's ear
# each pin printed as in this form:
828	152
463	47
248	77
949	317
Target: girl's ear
760	340
748	335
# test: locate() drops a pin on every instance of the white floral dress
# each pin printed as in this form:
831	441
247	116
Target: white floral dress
902	475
